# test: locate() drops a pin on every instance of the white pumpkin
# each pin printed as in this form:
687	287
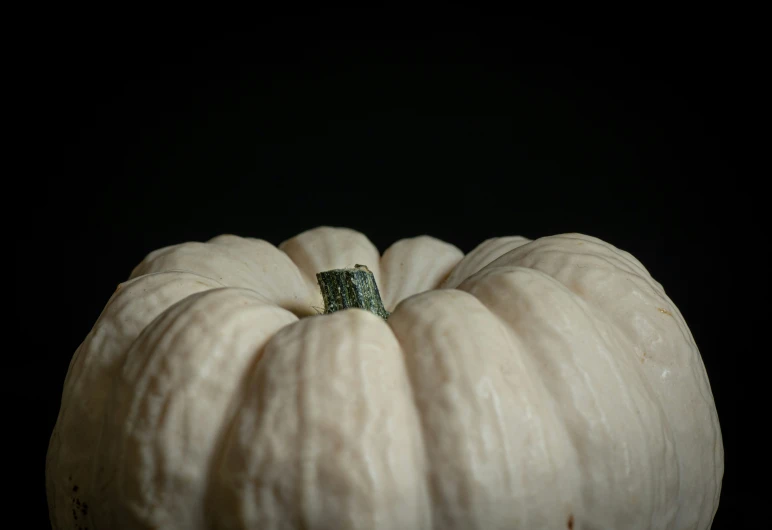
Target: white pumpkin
529	384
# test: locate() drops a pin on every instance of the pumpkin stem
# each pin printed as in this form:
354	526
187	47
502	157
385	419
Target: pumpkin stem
351	288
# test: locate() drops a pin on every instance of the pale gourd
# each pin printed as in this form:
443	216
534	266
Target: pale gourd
544	384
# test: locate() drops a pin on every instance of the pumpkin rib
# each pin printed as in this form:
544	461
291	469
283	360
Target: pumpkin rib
425	430
622	255
269	271
122	298
259	248
603	356
535	254
603	314
297	433
482	255
167	371
414	265
122	320
327	247
438	400
552	244
655	292
421	431
530	364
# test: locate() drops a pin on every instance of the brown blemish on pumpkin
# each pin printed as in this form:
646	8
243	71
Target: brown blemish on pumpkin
78	506
665	311
118	288
644	356
570	522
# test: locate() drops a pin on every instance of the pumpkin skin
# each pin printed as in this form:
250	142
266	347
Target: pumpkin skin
529	384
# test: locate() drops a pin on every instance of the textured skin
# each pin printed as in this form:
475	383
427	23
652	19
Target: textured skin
529	384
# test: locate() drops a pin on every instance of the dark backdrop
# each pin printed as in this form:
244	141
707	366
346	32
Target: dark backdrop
149	131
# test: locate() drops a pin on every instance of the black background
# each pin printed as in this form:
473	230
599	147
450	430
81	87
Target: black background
148	131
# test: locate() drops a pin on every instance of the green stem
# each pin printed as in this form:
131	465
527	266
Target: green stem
351	288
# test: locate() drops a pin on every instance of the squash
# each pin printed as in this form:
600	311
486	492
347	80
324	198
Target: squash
528	384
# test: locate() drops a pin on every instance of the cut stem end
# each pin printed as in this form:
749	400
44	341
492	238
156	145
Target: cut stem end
351	288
